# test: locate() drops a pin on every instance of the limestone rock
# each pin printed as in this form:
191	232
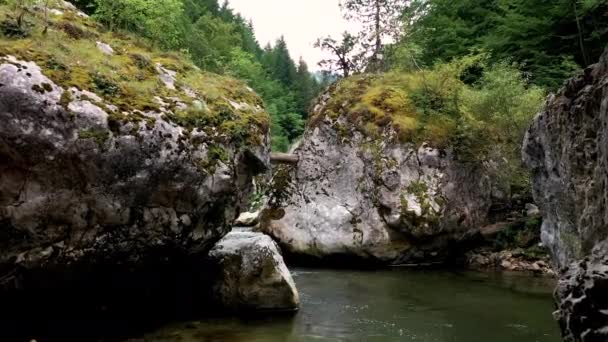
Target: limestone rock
166	76
111	199
566	151
581	292
376	199
247	219
485	259
105	48
532	210
80	188
252	274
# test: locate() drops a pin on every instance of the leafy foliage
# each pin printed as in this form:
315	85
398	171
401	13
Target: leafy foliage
347	58
380	20
158	20
355	53
548	39
478	120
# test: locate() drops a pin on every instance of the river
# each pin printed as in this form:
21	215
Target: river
395	305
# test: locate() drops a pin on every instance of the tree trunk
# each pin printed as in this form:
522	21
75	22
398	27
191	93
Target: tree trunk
580	34
375	60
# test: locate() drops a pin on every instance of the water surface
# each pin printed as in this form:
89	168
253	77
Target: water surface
395	305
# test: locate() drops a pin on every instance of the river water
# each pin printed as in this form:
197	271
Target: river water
395	305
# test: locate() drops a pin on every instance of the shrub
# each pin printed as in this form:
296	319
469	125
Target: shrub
157	20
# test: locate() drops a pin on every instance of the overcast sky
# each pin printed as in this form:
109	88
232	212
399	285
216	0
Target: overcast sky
300	21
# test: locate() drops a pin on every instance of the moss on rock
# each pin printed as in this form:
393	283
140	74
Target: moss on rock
128	79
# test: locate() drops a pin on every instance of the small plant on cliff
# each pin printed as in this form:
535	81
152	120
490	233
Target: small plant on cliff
16	26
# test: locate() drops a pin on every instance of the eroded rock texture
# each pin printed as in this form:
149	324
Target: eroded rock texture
567	151
108	208
375	198
251	274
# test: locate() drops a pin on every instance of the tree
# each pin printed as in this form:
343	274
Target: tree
305	86
158	20
211	42
347	58
548	39
281	66
381	20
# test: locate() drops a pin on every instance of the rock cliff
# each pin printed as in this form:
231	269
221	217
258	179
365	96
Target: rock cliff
566	151
361	190
120	166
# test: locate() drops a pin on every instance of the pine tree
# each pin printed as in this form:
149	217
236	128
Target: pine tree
282	66
547	39
305	86
381	20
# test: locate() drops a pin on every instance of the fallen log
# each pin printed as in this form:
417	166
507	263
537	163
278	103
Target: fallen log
283	158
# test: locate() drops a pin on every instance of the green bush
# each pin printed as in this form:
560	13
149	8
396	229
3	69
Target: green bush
158	20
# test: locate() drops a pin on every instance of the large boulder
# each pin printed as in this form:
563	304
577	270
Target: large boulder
111	181
566	150
252	275
365	193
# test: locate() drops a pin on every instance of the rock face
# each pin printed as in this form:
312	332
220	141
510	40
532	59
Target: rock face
352	195
252	275
566	150
101	192
73	189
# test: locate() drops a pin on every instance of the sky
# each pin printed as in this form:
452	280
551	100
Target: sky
300	21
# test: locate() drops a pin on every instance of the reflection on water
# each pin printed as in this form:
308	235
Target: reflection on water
397	305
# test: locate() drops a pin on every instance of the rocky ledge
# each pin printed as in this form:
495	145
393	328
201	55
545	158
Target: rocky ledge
566	151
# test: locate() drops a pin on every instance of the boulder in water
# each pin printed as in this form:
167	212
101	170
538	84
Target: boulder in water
251	274
366	193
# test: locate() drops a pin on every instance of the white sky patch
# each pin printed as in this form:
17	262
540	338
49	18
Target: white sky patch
301	22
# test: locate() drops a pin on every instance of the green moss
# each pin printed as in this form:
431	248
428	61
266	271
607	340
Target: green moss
416	224
523	234
66	98
420	191
104	85
38	88
142	62
375	104
11	29
68	55
74	31
42	88
215	155
99	135
572	242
